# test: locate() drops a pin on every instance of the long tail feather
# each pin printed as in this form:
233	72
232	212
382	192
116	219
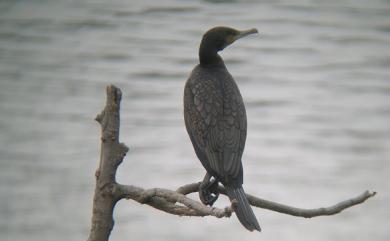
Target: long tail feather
243	210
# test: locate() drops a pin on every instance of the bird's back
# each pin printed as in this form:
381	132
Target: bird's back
215	118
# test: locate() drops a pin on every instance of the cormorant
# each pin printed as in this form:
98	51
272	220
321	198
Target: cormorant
215	119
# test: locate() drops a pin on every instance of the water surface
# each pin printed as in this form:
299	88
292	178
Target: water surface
316	83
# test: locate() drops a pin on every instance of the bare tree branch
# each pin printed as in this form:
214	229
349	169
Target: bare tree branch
112	153
281	208
108	192
157	196
166	200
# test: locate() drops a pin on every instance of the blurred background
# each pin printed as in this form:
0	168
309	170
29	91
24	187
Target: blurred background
316	83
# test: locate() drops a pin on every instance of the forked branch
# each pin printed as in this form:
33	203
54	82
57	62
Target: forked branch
108	192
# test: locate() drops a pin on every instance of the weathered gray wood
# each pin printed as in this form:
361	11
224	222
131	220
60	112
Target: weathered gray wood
108	192
282	208
112	153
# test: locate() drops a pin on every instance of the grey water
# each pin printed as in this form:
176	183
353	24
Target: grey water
316	83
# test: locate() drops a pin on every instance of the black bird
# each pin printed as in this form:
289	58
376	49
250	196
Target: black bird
215	119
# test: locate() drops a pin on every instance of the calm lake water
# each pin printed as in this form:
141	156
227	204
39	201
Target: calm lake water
316	83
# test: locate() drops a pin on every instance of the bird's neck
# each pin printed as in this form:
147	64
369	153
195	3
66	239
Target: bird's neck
209	56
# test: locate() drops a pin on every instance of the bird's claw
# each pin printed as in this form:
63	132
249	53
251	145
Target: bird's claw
208	191
207	197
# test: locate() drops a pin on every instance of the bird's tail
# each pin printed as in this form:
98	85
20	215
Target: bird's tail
243	209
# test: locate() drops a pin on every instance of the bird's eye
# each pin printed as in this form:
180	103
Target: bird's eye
230	39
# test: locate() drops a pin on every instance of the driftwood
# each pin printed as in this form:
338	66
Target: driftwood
108	192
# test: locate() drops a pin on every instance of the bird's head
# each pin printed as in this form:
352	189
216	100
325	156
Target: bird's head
216	39
219	38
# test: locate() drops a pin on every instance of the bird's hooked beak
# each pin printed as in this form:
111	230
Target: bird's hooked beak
245	33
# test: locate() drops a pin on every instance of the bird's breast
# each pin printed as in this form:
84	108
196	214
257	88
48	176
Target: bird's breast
216	97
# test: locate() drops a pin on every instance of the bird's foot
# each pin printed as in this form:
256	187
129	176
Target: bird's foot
207	197
208	190
213	186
